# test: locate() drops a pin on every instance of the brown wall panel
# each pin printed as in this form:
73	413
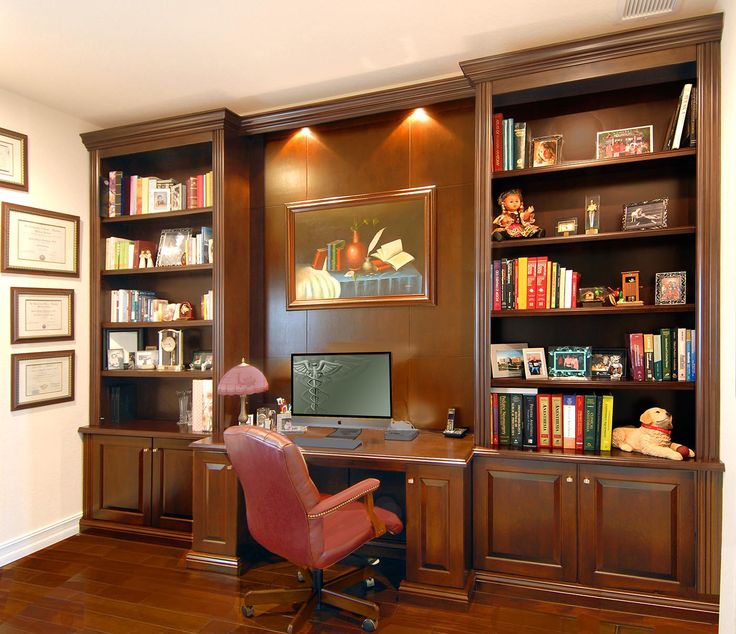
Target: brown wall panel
432	346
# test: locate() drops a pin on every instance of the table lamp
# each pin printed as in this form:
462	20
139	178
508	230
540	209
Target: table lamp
240	381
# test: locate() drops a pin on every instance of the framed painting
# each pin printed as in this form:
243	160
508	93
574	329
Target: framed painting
371	249
13	160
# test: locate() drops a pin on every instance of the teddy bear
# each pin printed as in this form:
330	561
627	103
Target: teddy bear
652	438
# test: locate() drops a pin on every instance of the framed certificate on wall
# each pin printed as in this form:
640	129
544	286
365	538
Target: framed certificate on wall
41	314
39	242
41	378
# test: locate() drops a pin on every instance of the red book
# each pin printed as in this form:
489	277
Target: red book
319	258
531	283
579	421
544	421
636	356
200	191
496	284
516	284
497	142
542	282
575	284
494	408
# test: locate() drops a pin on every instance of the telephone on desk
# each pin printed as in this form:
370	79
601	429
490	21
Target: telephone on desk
451	431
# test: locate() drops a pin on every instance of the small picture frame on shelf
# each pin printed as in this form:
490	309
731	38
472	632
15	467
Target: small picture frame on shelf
569	362
592	214
161	200
145	359
670	288
624	142
592	295
547	150
126	340
507	360
116	359
608	363
650	214
172	247
535	364
566	227
202	360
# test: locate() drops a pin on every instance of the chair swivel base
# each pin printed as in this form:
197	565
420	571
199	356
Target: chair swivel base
320	593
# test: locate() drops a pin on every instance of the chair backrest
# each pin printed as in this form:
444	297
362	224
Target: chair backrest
278	492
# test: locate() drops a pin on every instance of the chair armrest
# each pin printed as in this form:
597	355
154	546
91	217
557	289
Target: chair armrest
349	495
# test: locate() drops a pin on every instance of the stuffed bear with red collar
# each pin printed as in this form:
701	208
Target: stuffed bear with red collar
652	438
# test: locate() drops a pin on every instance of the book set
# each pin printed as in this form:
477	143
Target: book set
130	305
669	355
135	195
533	283
527	419
176	247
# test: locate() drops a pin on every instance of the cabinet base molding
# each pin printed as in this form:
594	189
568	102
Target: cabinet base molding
574	594
144	533
409	589
208	562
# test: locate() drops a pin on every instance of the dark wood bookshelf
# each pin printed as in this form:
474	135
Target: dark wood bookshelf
593	384
598	237
154	428
585	311
182	323
569	166
159	270
158	374
162	215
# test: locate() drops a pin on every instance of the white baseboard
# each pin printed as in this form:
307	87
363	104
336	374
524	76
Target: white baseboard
41	538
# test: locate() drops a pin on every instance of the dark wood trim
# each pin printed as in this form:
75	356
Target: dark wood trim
95	297
596	49
411	589
403	97
158	374
16	292
23	138
159	270
591	384
159	129
222	564
595	311
144	428
598	237
182	323
157	535
162	215
15	360
710	514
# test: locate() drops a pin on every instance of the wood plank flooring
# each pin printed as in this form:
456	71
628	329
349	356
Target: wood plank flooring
90	583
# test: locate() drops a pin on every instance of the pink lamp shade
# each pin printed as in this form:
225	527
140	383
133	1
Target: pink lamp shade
242	379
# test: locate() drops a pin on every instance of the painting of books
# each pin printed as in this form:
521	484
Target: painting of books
368	249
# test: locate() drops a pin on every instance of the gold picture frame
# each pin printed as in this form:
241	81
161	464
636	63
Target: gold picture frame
41	314
13	160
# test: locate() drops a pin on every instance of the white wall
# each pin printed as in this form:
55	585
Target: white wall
40	449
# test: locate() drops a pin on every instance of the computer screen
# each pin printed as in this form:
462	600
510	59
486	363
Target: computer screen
346	388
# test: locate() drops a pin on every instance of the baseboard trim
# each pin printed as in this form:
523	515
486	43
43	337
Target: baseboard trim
37	540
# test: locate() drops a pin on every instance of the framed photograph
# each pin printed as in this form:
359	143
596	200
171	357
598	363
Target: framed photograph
569	362
116	359
670	288
535	365
624	142
608	363
650	214
371	249
172	247
507	360
41	314
567	227
13	160
161	199
145	359
41	378
202	360
177	197
547	150
126	340
39	242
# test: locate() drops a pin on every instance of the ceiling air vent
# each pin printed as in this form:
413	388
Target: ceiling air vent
634	9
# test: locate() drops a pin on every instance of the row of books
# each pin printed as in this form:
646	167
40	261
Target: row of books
134	305
509	144
202	404
207	305
525	418
134	195
669	355
176	247
681	131
533	283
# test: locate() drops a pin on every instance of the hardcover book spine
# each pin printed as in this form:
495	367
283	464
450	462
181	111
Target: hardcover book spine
693	118
530	420
520	145
568	421
494	409
606	422
515	296
510	284
561	287
598	420
693	358
679	126
555	285
681	353
509	147
111	195
568	288
657	357
636	356
666	353
517	420
541	278
648	357
497	142
531	283
504	420
688	353
496	285
557	432
575	286
548	286
589	429
579	421
543	410
523	279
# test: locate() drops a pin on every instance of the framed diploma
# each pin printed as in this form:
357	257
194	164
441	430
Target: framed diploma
13	160
41	378
39	242
41	314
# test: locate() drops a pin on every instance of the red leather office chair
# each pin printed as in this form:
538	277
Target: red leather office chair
288	516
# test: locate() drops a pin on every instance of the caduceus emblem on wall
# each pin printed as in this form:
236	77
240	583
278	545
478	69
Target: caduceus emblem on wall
317	374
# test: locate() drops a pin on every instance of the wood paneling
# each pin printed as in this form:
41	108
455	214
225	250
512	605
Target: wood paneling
171	485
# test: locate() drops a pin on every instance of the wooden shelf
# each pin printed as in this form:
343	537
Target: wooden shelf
159	270
149	427
599	237
595	164
182	323
593	384
158	374
585	311
204	211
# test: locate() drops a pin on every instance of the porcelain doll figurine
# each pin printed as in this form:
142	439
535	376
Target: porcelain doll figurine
515	221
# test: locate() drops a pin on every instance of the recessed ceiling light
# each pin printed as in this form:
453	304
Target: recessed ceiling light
634	9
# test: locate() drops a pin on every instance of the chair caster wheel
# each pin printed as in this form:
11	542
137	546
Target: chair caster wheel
249	611
369	625
299	576
370	583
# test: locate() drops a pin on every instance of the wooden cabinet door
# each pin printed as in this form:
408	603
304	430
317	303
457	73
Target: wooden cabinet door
437	525
171	485
120	475
525	518
637	529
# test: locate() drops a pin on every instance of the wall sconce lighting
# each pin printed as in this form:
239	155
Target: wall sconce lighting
419	114
307	132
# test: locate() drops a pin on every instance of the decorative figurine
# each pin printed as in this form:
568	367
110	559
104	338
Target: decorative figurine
592	214
652	437
630	288
515	221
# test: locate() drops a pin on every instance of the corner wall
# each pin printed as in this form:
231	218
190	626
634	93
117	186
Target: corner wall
41	451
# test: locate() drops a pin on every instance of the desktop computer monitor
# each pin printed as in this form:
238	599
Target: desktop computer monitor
341	389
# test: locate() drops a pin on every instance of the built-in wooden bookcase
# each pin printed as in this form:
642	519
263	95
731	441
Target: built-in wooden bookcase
577	89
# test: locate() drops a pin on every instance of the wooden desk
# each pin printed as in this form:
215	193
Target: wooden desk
438	503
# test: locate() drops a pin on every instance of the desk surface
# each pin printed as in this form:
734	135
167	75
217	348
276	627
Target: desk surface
427	448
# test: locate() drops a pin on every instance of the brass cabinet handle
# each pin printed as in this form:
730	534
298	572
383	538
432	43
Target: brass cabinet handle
155	450
586	480
568	479
229	467
145	450
410	481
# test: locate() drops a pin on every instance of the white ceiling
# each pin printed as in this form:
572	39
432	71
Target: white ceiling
122	61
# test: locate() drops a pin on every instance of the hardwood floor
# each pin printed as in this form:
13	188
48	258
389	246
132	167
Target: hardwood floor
91	583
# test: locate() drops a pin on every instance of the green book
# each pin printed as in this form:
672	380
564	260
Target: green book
666	353
517	420
657	357
589	423
598	416
504	420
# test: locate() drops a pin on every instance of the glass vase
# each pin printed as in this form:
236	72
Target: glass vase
185	409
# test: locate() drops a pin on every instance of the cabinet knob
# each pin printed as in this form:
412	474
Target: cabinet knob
410	481
229	467
568	479
145	450
586	480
